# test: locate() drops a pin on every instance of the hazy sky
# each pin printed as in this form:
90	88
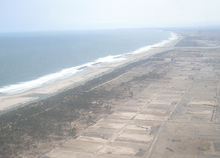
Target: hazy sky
42	15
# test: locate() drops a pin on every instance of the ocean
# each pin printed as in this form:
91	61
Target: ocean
30	60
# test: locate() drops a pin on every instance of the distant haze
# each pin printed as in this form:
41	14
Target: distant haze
52	15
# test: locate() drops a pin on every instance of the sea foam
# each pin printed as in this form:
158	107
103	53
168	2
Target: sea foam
162	43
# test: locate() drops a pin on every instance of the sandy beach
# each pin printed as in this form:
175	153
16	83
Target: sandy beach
11	101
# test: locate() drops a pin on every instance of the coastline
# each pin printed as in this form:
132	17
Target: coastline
9	102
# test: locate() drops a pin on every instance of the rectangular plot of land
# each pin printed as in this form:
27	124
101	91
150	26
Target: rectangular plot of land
160	108
193	129
106	130
118	149
135	138
185	139
122	115
110	155
158	101
128	109
193	113
152	117
112	123
67	154
80	147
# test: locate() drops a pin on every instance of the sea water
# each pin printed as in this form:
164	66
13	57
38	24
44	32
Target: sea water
30	60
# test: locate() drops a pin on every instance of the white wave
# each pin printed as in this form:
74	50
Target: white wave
24	86
110	59
162	43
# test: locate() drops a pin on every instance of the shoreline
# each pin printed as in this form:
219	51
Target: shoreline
10	102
